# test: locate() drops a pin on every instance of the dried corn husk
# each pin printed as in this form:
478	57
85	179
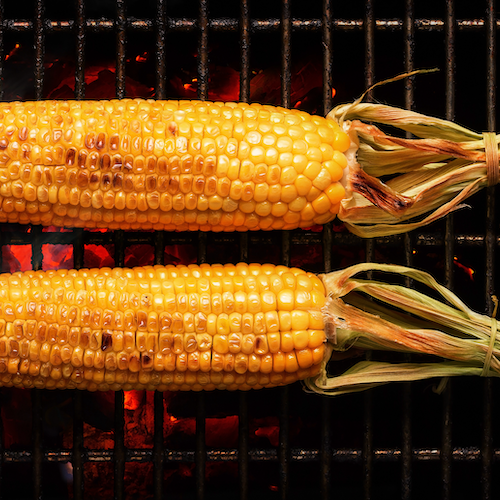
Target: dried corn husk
394	184
371	314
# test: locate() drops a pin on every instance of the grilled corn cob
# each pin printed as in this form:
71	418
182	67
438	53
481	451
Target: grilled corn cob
174	165
165	328
231	327
192	165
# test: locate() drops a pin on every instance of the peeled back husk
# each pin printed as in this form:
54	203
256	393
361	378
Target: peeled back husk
368	314
395	184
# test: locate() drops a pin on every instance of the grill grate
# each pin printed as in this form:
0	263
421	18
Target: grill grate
366	455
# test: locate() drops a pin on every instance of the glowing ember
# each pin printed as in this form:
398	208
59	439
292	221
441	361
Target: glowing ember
142	57
180	254
16	258
100	81
139	255
309	256
57	257
55	229
15	412
270	432
468	270
265	86
99	256
133	399
13	51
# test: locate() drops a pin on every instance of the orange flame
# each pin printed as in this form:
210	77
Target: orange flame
468	270
133	399
13	51
142	57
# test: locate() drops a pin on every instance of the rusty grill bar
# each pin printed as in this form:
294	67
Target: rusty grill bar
368	454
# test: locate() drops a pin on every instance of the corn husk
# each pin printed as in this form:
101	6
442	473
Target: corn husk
376	315
394	184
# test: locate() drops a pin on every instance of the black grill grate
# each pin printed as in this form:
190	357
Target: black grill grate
397	470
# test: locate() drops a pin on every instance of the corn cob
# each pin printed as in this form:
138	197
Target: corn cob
191	165
173	165
234	327
165	328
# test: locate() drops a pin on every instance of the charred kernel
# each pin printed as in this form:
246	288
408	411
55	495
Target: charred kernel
82	179
94	180
101	141
128	163
105	162
105	180
117	180
162	165
82	158
90	140
128	183
116	163
114	142
71	178
151	183
172	128
70	157
107	341
173	187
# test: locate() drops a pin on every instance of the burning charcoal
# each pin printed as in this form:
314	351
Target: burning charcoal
16	258
99	256
57	256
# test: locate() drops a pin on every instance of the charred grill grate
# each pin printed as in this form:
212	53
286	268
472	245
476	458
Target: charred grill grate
366	456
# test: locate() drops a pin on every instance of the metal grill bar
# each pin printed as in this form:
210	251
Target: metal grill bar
229	24
326	404
161	49
78	251
471	454
203	75
406	465
203	51
370	251
487	445
121	23
161	70
243	419
424	240
78	445
449	251
80	50
284	409
158	447
119	420
36	397
245	51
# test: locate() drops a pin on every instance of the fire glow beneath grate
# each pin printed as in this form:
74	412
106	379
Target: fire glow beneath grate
16	258
394	443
